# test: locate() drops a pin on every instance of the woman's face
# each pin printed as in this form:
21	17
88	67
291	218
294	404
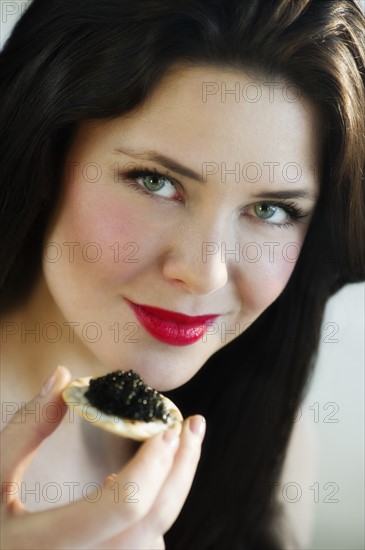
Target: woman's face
197	204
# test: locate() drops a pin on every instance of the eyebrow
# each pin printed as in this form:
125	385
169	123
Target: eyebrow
287	194
167	162
184	171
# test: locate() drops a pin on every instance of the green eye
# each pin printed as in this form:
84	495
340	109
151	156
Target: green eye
265	211
153	182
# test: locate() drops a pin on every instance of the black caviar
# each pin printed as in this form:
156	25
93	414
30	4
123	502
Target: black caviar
124	394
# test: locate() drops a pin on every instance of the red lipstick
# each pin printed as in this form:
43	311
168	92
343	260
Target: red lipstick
176	329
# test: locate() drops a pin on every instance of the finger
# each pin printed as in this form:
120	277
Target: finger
178	484
116	507
36	420
172	496
110	479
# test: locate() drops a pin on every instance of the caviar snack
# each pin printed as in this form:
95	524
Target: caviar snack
121	403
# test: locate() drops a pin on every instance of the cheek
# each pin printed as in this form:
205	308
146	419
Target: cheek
263	280
95	216
97	239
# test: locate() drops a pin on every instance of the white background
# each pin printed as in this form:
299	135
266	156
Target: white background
333	408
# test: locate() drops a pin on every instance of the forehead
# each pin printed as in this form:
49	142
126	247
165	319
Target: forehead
210	114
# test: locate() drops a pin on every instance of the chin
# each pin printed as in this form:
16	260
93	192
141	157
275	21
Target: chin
161	382
161	371
164	379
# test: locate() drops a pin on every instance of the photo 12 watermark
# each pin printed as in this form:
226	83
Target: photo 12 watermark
291	492
68	332
250	92
54	492
91	252
255	172
252	252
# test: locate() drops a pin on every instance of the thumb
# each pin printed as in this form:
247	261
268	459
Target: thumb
31	424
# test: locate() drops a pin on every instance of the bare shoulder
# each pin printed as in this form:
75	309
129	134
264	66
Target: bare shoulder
294	495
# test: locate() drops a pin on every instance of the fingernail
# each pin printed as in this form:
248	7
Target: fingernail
197	425
110	479
49	383
171	437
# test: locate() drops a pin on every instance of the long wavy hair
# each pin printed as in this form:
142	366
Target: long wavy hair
69	61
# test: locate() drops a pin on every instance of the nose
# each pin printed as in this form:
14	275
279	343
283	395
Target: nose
195	259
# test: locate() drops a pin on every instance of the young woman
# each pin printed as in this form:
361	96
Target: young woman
182	190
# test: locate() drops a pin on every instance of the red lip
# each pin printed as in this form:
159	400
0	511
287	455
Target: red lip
172	327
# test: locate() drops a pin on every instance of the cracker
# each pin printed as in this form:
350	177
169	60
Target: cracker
74	396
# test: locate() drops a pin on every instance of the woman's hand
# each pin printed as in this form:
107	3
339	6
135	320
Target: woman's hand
163	468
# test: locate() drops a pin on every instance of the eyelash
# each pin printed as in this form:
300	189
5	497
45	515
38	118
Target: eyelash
141	172
295	213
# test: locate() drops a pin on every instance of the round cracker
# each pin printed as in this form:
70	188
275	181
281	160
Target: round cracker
74	396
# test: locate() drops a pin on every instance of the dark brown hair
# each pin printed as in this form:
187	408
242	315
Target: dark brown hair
73	60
